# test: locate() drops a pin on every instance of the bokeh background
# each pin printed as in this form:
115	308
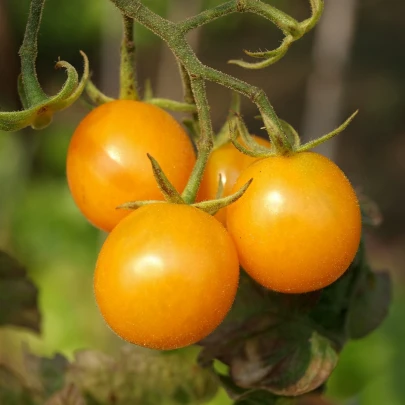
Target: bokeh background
354	60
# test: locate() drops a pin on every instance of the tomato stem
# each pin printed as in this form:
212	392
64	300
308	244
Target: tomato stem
40	115
28	54
194	73
257	151
128	78
205	142
223	135
172	105
95	95
38	107
249	141
191	123
148	90
174	35
187	90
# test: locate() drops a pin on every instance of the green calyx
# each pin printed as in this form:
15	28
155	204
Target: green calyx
38	107
171	195
234	130
239	131
39	115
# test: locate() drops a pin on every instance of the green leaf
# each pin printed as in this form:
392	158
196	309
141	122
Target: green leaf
331	312
288	344
253	300
269	343
18	296
370	305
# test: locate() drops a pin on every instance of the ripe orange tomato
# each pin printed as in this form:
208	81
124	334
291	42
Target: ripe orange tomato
166	276
298	226
107	162
229	162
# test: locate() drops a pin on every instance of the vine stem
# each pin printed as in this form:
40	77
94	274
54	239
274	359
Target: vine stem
175	37
28	54
205	141
282	20
128	79
187	90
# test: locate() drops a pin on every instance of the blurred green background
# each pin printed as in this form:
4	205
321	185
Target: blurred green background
354	59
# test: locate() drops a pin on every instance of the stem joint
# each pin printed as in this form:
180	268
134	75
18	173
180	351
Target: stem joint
241	6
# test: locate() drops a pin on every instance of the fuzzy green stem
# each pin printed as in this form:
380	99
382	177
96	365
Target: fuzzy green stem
28	54
95	95
282	20
175	38
248	140
172	105
224	133
207	16
205	141
234	135
128	80
148	90
317	7
187	90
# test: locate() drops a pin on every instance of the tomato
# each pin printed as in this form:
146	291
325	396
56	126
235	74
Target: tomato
229	162
166	276
107	162
298	226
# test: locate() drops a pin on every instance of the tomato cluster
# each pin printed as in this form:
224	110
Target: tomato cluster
167	274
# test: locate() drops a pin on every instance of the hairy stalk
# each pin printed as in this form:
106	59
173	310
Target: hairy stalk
194	73
28	53
282	20
128	80
174	36
188	92
205	141
95	95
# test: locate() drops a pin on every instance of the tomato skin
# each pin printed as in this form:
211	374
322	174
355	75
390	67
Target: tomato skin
107	162
298	226
166	276
230	163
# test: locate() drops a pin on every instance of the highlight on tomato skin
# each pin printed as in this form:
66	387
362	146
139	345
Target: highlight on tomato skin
107	162
228	162
298	226
166	276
